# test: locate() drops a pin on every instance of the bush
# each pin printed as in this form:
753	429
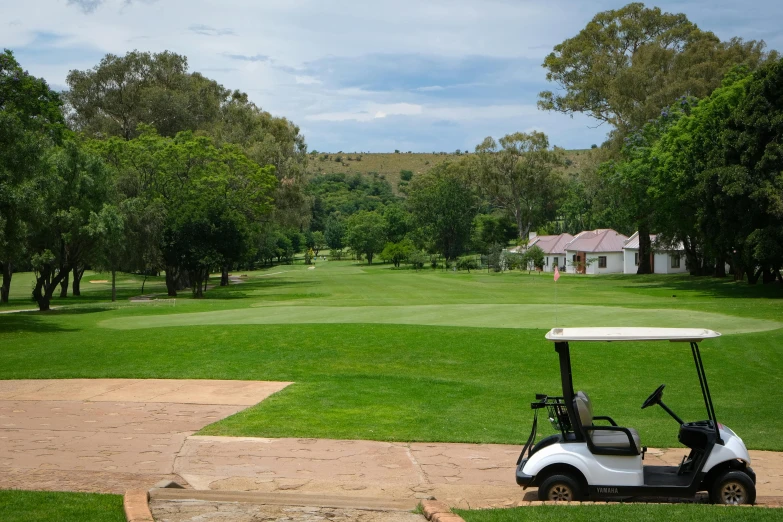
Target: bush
467	263
406	175
417	258
338	159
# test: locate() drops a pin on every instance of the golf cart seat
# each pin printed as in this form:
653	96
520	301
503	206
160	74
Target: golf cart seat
605	440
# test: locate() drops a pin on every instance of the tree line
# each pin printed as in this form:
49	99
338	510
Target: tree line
144	166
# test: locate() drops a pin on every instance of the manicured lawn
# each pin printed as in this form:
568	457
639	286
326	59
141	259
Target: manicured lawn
37	506
622	513
430	356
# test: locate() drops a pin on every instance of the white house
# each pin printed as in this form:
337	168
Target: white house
596	252
664	260
554	250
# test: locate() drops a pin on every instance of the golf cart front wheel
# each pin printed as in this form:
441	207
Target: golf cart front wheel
561	487
733	487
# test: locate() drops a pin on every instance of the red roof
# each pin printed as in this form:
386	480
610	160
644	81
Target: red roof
552	244
601	240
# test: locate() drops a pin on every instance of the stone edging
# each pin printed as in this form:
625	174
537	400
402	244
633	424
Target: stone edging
437	511
136	507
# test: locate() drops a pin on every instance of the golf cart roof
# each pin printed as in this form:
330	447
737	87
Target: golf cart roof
630	334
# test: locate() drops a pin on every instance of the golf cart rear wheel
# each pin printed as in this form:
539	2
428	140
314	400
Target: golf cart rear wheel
561	487
733	487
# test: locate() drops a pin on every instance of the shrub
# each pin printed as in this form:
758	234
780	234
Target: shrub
406	175
338	159
467	263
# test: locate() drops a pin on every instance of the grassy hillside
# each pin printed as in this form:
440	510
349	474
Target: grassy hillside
389	164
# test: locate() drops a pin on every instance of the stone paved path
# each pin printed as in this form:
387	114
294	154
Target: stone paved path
108	435
463	475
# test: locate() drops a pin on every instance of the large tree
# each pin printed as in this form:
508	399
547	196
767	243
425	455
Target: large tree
629	63
78	183
365	233
444	203
31	122
121	92
518	175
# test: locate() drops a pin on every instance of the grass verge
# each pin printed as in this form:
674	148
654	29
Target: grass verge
37	506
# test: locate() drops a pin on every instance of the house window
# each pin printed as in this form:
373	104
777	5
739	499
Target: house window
601	261
675	261
636	258
547	261
554	262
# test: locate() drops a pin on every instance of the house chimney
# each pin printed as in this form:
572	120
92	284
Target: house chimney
531	235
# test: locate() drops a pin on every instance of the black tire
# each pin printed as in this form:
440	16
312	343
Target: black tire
733	487
561	487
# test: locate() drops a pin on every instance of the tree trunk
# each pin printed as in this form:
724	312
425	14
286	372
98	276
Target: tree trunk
5	289
224	275
45	286
183	280
369	258
77	280
113	285
645	249
143	282
753	275
171	281
720	268
64	285
768	276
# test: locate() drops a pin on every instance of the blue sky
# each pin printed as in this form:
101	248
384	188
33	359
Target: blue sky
365	75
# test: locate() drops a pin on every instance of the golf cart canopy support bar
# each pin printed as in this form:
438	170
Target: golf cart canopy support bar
689	335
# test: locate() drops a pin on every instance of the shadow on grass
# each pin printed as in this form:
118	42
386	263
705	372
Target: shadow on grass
30	322
701	286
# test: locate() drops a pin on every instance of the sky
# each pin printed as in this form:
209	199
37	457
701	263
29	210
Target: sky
366	75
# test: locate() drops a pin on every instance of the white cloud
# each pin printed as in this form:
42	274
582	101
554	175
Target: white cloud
307	80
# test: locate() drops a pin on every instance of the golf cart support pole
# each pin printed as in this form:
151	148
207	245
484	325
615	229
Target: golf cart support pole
568	385
705	389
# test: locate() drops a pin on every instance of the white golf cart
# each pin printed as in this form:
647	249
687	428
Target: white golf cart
590	461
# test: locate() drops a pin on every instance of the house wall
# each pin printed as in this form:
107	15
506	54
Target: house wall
549	261
662	262
614	263
629	260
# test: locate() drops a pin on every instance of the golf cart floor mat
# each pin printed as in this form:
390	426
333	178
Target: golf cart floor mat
665	476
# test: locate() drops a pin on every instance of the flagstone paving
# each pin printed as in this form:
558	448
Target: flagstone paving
110	435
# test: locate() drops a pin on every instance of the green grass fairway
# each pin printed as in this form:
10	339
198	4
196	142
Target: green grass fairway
622	513
38	506
384	354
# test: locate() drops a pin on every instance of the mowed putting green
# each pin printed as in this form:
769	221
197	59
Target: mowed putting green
465	315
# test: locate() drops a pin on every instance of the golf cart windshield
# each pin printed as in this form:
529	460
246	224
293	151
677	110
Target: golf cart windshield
630	334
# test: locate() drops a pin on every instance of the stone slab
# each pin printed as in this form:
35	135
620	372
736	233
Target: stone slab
108	435
201	511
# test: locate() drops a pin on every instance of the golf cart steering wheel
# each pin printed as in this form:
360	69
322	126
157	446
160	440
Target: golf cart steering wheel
654	397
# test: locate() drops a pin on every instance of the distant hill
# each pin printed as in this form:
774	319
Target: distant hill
388	165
